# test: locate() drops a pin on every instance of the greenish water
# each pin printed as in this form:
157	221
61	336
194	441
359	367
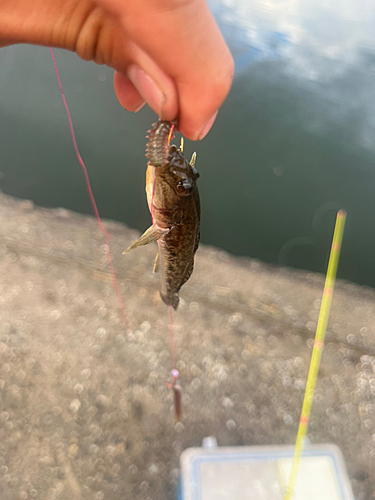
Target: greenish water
293	143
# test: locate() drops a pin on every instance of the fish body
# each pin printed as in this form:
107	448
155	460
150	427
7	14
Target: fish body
173	201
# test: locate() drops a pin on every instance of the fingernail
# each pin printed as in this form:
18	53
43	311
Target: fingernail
147	87
207	127
140	106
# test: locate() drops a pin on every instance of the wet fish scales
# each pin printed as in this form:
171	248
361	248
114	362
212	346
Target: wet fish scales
176	204
173	201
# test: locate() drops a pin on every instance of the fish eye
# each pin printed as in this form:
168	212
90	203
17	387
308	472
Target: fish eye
183	187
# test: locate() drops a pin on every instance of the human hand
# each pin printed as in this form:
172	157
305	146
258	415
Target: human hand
168	53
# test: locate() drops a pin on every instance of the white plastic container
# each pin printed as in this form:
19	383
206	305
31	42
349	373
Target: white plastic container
262	473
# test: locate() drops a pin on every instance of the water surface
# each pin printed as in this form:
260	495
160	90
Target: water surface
294	142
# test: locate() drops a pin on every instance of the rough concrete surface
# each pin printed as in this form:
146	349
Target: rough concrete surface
85	412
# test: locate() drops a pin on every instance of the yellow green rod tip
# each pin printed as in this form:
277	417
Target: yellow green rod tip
317	349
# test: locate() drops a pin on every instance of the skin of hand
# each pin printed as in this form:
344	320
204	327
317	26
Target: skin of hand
167	53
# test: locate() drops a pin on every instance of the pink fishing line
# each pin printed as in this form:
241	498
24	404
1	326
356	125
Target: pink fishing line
92	199
176	389
173	346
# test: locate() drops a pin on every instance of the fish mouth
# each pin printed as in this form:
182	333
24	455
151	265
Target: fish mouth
171	299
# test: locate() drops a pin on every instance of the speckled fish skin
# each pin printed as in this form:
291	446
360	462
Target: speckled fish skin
174	206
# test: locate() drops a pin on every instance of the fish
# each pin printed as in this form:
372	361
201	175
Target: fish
174	204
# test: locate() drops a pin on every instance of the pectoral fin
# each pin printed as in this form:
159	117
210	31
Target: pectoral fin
152	234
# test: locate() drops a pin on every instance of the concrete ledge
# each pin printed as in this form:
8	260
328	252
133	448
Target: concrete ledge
84	408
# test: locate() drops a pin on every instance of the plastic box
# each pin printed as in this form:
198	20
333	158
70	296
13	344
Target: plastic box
262	473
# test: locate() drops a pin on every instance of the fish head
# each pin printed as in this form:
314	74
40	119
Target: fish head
171	189
179	174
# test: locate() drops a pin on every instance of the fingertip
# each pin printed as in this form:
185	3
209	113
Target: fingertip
138	88
155	86
202	134
138	108
126	93
197	133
